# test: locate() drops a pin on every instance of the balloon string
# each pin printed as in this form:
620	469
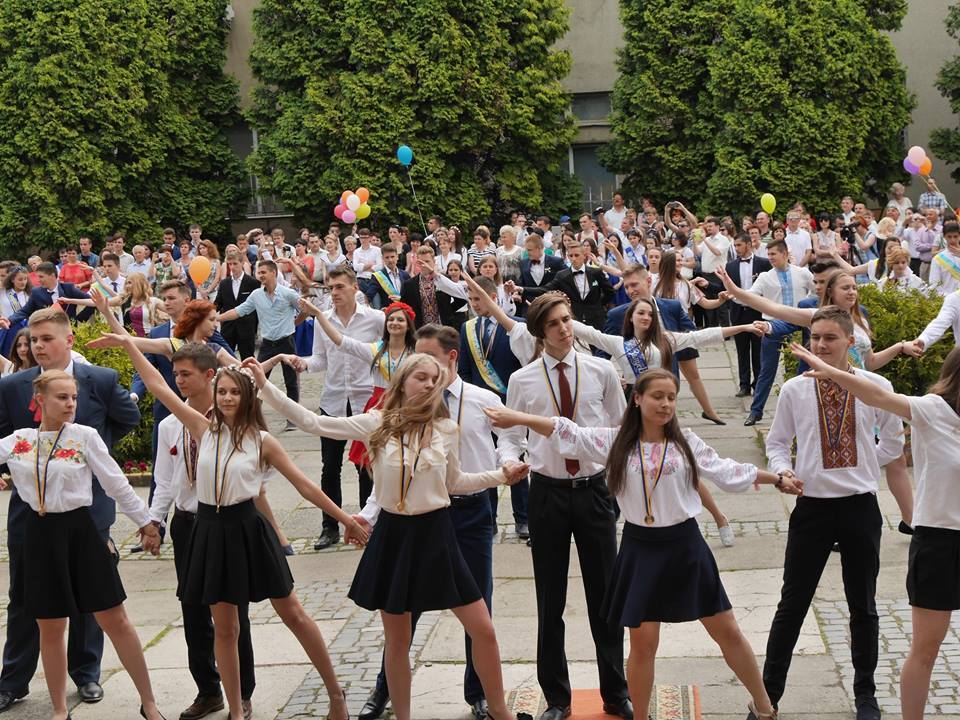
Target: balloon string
415	200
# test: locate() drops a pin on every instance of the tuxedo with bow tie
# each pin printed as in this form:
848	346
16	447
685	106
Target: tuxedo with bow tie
589	308
551	266
41	298
748	344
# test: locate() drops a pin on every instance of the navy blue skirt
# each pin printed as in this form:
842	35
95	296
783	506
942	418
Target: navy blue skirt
234	556
412	563
664	574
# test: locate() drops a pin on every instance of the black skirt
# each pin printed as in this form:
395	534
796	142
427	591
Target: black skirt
233	556
687	354
665	574
68	569
933	572
413	564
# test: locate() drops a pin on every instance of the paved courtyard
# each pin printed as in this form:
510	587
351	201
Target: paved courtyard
287	686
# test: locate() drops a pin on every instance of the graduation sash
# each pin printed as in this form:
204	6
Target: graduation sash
633	353
383	280
479	354
385	364
947	264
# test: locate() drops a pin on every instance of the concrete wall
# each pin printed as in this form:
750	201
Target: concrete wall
239	43
923	46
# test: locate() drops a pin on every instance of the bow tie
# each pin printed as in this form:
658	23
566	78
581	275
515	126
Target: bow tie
534	262
578	272
749	259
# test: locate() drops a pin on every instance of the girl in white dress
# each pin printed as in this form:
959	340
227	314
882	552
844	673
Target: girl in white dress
664	570
68	568
413	563
234	555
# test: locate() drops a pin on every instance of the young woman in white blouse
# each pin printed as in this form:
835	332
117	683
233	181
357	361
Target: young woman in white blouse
933	574
664	570
69	569
413	562
235	556
15	292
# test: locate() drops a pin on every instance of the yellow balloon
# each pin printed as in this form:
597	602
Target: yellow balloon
200	269
363	211
768	202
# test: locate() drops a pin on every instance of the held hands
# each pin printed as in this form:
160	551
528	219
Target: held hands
256	369
150	538
357	531
759	328
913	348
790	484
515	471
700	282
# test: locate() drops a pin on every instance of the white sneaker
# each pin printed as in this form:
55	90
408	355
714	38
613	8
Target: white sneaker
726	535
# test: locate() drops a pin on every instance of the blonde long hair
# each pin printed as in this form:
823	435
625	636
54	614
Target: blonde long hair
400	414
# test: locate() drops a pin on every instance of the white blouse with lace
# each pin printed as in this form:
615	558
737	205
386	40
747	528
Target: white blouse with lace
673	499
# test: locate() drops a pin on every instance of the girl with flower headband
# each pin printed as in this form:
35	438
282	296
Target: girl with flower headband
68	568
384	356
234	555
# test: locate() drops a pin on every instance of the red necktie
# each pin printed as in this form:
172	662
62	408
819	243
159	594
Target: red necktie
566	409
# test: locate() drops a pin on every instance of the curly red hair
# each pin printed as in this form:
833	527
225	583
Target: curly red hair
195	312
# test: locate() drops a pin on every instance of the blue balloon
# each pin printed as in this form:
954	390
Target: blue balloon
404	155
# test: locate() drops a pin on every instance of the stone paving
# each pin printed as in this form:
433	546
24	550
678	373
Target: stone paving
288	687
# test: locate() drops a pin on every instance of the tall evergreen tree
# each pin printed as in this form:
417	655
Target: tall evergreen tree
474	88
945	142
802	98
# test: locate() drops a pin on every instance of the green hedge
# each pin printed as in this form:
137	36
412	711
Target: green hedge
137	445
894	316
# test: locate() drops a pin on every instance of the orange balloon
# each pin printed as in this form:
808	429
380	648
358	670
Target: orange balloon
927	167
363	194
200	269
344	196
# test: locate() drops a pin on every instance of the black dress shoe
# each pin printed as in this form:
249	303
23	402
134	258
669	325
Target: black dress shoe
743	392
202	706
7	699
715	421
479	709
623	709
752	419
556	712
867	708
523	531
327	538
143	714
904	528
375	704
90	692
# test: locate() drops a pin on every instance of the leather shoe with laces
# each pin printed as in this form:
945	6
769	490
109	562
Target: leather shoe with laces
743	392
867	708
202	706
479	709
328	538
556	712
90	692
7	699
623	709
375	704
752	419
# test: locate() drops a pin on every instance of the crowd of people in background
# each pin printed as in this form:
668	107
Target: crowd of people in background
543	355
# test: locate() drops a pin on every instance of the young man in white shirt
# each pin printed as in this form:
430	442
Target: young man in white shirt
471	517
838	461
798	241
568	498
945	267
113	279
367	259
713	250
347	385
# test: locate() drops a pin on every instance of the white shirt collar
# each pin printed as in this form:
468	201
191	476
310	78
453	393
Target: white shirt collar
569	359
68	369
455	388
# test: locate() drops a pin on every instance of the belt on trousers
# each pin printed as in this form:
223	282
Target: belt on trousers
178	511
264	341
464	499
576	483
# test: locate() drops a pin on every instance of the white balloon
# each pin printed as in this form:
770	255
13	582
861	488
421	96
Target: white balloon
353	202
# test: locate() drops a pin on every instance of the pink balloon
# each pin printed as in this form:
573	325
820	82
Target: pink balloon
349	217
910	167
916	155
339	210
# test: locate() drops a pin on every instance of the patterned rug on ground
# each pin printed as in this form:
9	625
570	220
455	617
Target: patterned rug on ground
669	702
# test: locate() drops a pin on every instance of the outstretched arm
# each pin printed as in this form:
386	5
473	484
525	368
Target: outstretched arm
503	417
797	316
876	360
491	305
308	308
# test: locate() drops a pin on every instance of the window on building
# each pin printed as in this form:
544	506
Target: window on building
599	184
243	141
591	107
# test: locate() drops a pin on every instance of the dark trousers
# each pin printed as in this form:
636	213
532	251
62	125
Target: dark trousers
748	348
519	499
198	625
586	513
721	315
474	527
22	647
271	348
815	525
331	452
240	338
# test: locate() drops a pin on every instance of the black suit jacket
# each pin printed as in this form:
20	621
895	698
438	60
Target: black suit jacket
40	298
384	298
227	301
741	314
446	304
102	403
591	309
551	266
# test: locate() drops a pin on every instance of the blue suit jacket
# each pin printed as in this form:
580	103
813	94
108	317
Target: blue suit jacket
671	315
41	298
501	357
163	364
551	266
102	403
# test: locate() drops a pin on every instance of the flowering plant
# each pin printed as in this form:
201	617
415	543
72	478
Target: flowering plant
134	466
